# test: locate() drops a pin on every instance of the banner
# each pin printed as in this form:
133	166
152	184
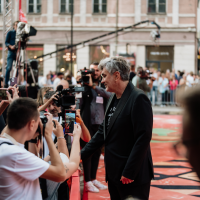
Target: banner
22	16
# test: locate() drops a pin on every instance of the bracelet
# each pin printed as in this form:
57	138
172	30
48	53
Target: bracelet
60	138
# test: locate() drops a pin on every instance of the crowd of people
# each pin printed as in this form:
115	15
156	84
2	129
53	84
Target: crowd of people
43	169
161	87
38	157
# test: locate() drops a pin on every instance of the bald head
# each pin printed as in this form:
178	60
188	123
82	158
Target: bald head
64	83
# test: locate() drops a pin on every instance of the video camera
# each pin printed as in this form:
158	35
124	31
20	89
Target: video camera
66	97
84	78
146	75
23	31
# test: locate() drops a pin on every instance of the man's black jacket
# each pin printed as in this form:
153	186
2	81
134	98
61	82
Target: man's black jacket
127	140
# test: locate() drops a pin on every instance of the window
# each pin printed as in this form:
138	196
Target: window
32	52
156	6
66	6
0	6
99	52
99	6
34	6
63	61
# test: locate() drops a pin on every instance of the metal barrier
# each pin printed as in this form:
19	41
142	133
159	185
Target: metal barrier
167	98
75	187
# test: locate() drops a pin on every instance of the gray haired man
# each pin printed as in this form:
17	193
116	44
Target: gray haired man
126	133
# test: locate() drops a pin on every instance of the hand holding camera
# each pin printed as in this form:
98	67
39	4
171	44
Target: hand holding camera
54	97
77	131
14	92
58	129
48	125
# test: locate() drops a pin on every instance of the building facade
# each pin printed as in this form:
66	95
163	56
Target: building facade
176	48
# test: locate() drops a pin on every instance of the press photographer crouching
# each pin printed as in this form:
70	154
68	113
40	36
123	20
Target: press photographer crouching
21	169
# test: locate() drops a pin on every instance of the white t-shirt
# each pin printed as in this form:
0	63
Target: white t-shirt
44	81
190	80
162	84
19	172
155	83
74	82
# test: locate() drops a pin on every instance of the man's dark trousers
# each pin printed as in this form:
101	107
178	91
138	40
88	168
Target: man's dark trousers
119	191
91	165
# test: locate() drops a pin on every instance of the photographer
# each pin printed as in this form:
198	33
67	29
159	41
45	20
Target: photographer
50	188
94	100
49	104
10	44
140	81
21	169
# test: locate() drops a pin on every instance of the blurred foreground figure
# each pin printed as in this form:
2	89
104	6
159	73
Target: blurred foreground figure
126	133
189	147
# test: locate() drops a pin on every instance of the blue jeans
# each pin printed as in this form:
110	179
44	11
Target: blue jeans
172	96
155	89
11	57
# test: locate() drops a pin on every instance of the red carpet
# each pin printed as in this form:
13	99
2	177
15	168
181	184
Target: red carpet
174	177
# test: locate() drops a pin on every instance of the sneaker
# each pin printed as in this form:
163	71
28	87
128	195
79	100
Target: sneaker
99	185
102	157
90	187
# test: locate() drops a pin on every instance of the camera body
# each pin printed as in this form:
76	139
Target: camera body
84	78
66	97
146	75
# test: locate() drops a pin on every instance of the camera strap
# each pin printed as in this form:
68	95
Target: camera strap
6	143
44	126
10	138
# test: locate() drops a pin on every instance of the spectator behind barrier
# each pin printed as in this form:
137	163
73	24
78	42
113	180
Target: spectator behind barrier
21	169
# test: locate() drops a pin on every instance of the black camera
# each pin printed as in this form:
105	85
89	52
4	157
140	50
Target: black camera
43	117
66	97
85	79
146	75
44	121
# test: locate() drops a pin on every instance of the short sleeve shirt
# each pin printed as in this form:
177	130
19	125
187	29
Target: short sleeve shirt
19	171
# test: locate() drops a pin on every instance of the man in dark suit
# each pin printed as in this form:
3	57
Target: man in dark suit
126	133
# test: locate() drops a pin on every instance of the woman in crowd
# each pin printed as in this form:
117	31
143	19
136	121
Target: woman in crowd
173	83
163	88
41	94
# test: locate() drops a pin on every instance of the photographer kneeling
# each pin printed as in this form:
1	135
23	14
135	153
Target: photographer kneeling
21	169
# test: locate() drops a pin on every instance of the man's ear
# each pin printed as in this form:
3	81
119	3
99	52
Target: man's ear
117	75
31	125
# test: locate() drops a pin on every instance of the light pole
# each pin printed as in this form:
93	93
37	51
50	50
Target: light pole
116	39
72	12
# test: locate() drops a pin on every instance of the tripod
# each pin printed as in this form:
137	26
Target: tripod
21	65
